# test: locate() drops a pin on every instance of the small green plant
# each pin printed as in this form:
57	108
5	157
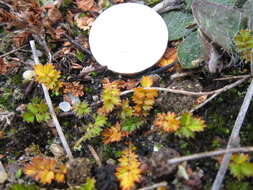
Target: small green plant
189	125
240	166
92	129
36	110
89	185
244	44
131	123
81	109
23	187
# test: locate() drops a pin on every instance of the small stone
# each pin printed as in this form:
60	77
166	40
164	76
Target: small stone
3	174
57	150
65	106
28	75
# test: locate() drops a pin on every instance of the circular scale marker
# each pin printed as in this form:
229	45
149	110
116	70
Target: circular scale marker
128	38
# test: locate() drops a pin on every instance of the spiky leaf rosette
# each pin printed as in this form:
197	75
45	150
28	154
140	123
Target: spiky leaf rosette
189	125
74	88
45	170
144	100
48	75
244	43
167	121
240	166
81	109
128	172
147	81
110	97
112	134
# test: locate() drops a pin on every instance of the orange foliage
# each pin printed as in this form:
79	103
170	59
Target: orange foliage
167	121
74	88
45	170
147	81
144	100
112	134
110	97
169	57
128	172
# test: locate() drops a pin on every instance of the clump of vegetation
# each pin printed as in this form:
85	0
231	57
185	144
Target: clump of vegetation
244	44
240	166
49	76
128	172
45	170
36	110
81	109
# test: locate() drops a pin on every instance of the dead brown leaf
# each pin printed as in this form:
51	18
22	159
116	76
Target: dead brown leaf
5	67
21	38
84	22
85	5
54	15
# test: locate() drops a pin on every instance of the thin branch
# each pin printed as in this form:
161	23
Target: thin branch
12	51
51	109
154	186
231	77
209	154
233	139
225	88
95	155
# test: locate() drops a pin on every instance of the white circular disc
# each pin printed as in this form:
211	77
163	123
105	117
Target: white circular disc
128	38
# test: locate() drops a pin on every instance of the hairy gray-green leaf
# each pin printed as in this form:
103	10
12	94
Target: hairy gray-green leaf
189	52
219	23
177	22
220	2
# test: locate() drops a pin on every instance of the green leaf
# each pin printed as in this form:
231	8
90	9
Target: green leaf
190	53
23	187
28	117
177	22
100	120
131	124
220	2
32	108
89	185
189	125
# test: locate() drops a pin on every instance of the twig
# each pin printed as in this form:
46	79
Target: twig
209	154
41	40
12	51
95	155
225	88
51	109
167	5
233	137
29	87
231	77
93	69
77	45
156	185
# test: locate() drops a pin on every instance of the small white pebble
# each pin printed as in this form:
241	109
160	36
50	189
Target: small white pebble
28	75
65	106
